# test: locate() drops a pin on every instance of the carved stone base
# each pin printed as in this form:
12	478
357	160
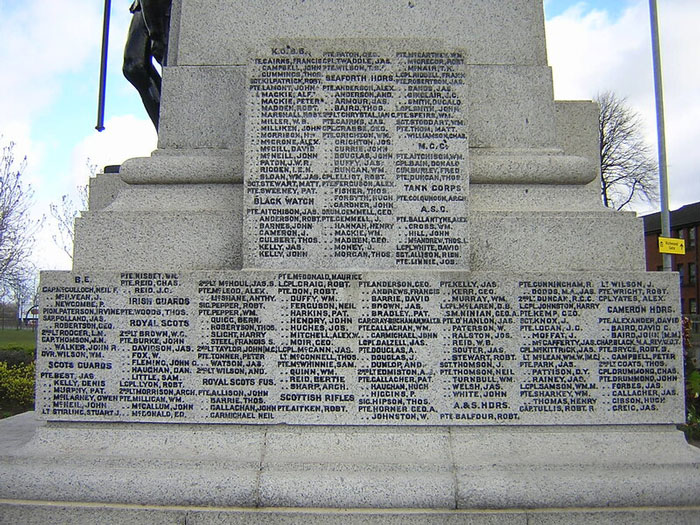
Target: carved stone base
88	473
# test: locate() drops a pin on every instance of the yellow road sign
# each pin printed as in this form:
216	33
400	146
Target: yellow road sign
669	245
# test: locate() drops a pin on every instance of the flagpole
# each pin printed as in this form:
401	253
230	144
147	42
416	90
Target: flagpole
103	69
660	132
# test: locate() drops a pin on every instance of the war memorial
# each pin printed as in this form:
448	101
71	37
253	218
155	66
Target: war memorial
365	277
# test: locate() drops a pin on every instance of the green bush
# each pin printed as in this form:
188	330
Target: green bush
17	384
692	403
692	388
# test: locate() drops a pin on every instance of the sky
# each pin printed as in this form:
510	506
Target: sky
50	50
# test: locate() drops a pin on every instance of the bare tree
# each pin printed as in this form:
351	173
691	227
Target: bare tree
628	171
64	214
20	289
66	211
17	228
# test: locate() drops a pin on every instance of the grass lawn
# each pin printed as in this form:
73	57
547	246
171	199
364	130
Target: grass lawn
16	347
25	339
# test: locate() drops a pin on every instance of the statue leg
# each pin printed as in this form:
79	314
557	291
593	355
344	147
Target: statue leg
156	14
138	67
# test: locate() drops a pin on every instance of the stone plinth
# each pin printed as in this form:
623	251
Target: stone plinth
293	474
366	277
374	348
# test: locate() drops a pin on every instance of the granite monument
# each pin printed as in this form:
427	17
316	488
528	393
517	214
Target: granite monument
366	276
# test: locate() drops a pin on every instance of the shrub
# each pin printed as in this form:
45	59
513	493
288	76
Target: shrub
17	384
15	355
692	388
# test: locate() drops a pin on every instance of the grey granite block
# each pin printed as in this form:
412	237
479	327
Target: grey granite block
420	348
503	166
540	386
618	517
577	128
16	431
358	517
219	33
534	197
326	189
382	488
511	107
202	107
57	514
542	241
103	189
357	445
185	166
166	226
555	469
40	514
574	467
164	240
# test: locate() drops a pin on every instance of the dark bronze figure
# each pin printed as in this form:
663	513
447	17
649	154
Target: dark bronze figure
147	40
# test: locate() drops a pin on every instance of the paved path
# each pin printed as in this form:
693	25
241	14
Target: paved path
15	431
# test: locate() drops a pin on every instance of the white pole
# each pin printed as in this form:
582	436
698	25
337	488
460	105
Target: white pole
660	131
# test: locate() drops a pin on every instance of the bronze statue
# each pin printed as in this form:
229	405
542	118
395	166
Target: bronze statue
147	40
